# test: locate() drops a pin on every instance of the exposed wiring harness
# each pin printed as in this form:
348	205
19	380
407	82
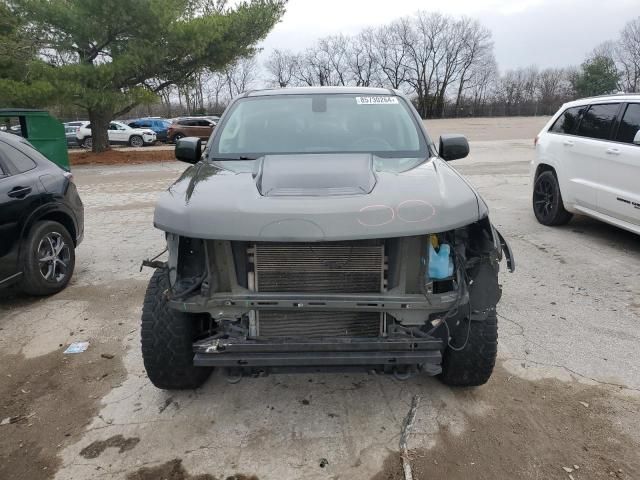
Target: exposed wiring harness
463	280
181	295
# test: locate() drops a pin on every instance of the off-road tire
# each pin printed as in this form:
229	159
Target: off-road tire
167	337
33	282
473	365
554	214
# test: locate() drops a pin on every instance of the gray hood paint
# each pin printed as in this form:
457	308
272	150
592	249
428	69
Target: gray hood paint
212	203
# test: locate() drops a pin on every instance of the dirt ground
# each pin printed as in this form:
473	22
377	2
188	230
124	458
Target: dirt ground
563	402
122	156
491	129
529	430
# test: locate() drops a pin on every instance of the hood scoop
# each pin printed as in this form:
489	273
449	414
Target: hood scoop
318	175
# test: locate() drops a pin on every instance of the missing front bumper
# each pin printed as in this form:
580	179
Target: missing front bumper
223	304
330	352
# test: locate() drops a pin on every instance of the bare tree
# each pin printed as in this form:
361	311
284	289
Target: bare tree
281	67
324	64
240	75
553	89
477	50
479	87
362	59
312	68
216	86
333	52
510	91
422	36
628	56
392	53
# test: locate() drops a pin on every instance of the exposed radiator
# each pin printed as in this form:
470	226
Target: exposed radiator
318	324
330	267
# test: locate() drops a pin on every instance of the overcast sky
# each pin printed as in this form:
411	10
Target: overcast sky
547	33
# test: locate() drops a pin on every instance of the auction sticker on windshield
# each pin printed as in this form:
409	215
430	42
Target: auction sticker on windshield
385	100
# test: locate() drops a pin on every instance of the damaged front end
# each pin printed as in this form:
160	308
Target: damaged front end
392	304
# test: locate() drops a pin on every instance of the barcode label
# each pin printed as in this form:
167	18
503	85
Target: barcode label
383	100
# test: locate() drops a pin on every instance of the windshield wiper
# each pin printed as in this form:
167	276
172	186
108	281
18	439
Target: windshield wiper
240	157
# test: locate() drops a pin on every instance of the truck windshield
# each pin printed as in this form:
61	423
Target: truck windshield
320	123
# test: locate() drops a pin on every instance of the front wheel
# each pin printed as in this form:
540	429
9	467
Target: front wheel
470	363
48	259
547	201
136	141
167	338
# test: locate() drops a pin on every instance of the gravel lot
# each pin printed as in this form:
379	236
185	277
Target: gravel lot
566	392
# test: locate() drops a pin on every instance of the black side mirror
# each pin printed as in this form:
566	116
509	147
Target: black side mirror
453	146
189	149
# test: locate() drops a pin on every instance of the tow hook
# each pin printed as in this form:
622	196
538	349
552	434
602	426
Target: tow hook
153	262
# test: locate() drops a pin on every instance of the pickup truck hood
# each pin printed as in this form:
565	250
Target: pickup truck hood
213	203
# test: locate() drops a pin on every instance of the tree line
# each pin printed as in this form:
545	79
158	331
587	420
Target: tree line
105	59
445	64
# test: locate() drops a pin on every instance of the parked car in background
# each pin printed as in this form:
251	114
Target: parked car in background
15	129
70	129
119	133
158	125
191	127
588	162
41	219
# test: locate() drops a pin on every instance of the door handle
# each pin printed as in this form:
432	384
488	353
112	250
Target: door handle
613	151
19	192
568	143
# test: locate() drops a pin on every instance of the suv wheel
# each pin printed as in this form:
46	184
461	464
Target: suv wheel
177	137
472	365
87	142
547	200
48	259
136	141
167	338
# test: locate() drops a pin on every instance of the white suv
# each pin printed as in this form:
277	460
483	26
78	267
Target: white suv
119	133
588	161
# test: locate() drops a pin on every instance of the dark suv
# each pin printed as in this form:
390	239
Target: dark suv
321	229
41	219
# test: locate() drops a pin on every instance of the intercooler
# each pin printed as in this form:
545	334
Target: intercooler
331	267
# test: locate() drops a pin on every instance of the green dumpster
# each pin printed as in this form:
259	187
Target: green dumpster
42	130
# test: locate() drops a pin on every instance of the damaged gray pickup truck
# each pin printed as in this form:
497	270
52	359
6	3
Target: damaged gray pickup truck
321	229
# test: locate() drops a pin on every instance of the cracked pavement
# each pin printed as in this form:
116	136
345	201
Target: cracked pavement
570	313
